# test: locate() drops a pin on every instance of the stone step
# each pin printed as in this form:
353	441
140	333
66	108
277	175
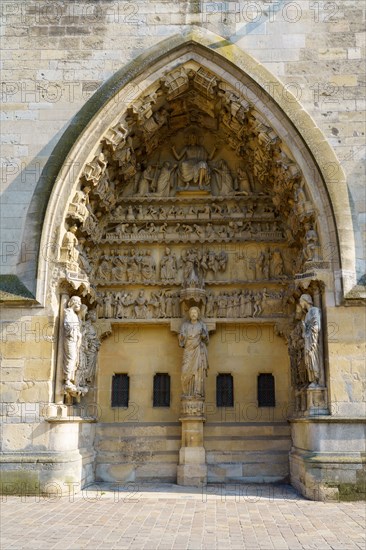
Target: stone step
163	472
248	444
141	458
246	429
247	457
138	429
258	476
133	445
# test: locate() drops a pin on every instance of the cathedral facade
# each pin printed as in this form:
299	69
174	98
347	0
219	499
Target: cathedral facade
183	280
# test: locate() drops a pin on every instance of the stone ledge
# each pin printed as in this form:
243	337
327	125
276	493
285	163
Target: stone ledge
356	296
333	458
69	419
14	292
50	457
329	420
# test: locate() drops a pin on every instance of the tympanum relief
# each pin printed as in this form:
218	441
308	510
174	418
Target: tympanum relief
191	189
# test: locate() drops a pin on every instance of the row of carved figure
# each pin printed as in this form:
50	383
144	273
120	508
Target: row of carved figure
136	266
203	231
124	305
139	265
206	211
166	304
242	303
193	169
116	267
305	350
269	264
81	345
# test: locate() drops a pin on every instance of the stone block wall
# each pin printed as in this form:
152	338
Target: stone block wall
57	55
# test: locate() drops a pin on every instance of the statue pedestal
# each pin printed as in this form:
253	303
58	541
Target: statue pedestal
192	468
312	401
193	192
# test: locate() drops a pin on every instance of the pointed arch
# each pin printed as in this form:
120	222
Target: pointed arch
278	105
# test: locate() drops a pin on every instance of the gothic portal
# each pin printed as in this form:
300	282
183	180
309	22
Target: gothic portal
192	253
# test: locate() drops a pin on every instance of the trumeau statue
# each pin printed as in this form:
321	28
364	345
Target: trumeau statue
193	337
311	335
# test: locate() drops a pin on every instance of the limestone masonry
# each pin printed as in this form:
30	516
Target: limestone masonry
183	245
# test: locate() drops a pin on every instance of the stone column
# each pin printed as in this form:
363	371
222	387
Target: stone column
192	468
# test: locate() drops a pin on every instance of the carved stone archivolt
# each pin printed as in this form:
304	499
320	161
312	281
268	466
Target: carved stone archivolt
191	197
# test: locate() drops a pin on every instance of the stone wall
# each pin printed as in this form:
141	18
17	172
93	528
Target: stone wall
56	56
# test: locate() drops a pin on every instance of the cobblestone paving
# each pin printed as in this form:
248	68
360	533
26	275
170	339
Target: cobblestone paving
145	516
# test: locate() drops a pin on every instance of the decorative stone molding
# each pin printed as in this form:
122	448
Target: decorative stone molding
199	42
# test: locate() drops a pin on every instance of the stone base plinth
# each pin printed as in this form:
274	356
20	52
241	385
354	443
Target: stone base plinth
192	192
327	460
192	469
192	455
63	466
311	401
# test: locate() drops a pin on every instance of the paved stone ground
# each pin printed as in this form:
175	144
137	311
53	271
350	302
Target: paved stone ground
164	517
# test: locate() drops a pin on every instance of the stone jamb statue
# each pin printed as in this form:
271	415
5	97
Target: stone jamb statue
193	337
311	334
72	342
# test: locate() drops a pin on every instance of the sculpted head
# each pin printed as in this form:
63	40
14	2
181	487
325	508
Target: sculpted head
306	301
73	228
74	303
192	139
92	315
194	313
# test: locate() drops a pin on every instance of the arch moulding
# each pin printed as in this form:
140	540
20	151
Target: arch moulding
323	175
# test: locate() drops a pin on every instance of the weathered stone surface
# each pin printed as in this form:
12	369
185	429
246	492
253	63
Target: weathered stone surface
116	152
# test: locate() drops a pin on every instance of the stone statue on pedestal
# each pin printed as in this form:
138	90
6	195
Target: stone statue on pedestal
193	337
80	348
311	335
88	351
71	343
69	251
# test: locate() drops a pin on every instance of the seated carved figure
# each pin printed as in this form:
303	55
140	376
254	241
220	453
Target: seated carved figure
193	166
